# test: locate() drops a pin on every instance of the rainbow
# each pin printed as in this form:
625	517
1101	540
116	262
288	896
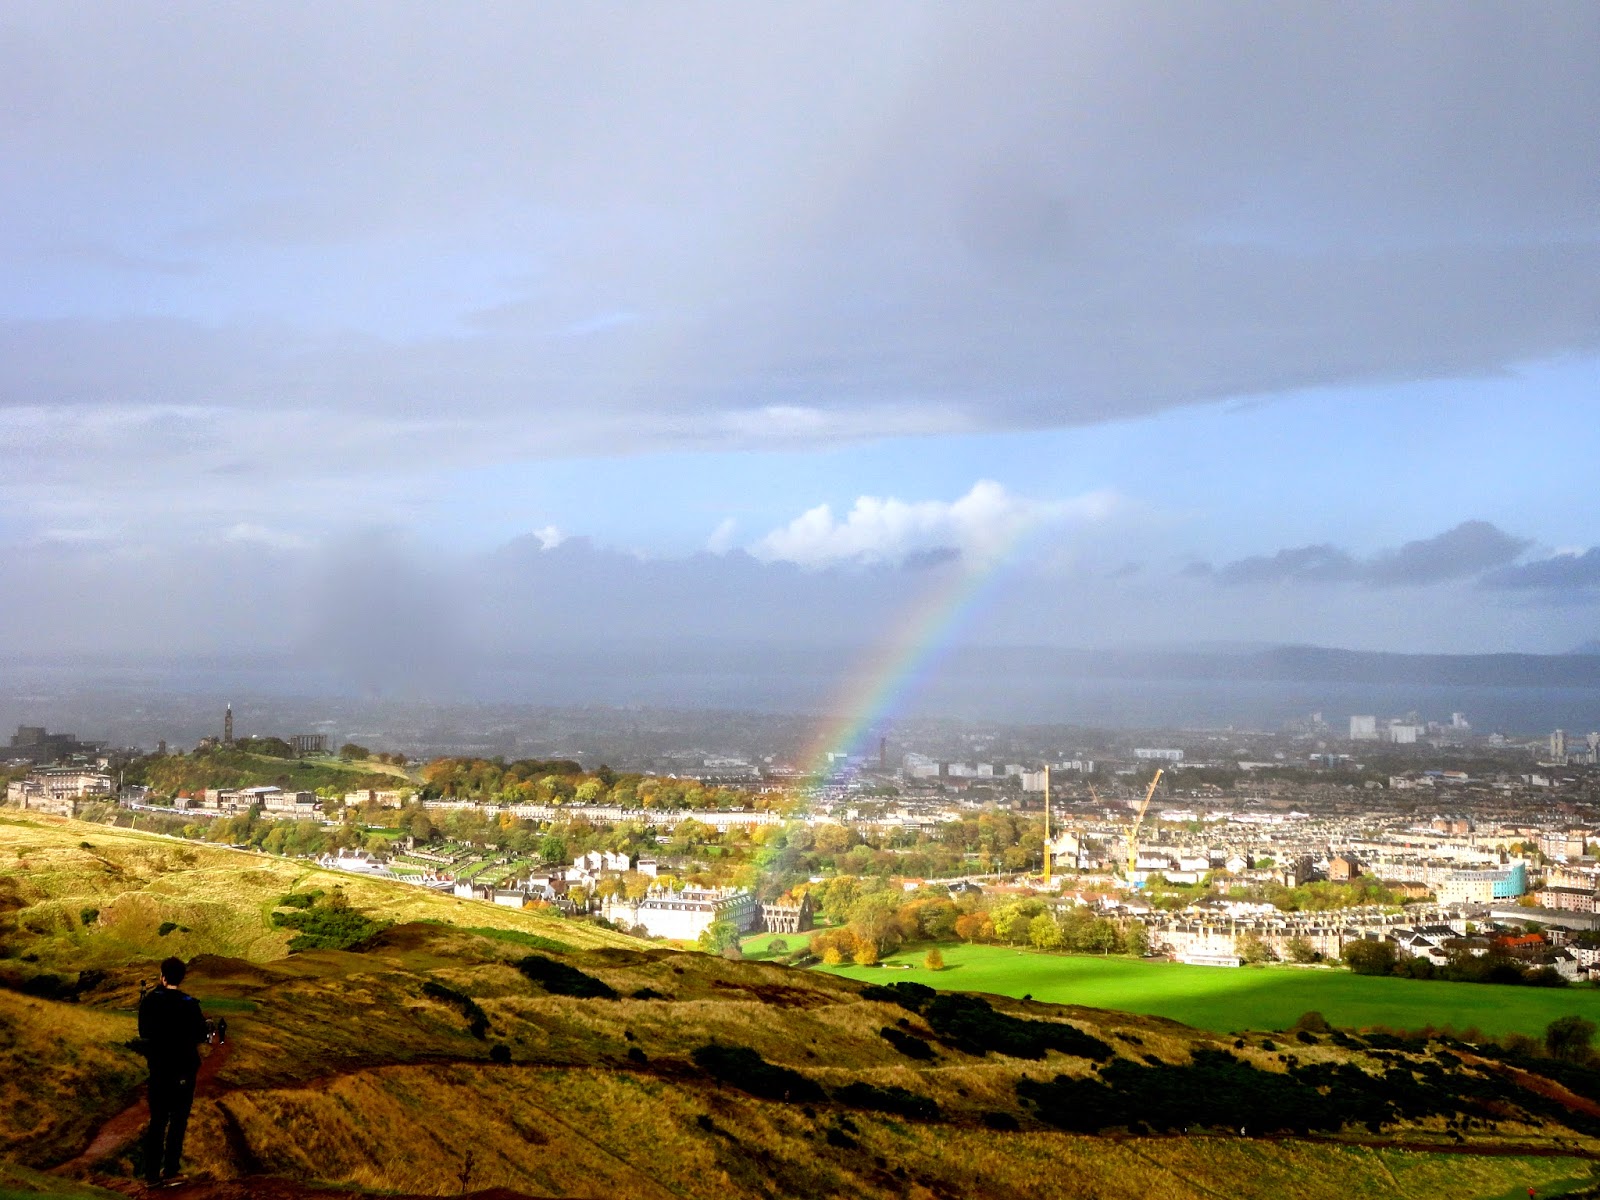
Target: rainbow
891	675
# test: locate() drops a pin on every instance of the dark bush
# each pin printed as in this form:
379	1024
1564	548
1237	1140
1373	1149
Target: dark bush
1215	1089
1313	1022
908	1044
647	993
889	1099
743	1068
299	899
561	980
908	995
500	1053
969	1024
477	1019
1002	1121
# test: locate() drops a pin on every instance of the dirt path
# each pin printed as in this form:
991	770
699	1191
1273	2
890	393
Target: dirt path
121	1130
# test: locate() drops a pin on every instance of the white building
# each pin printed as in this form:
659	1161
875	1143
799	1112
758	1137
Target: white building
57	790
684	916
1364	729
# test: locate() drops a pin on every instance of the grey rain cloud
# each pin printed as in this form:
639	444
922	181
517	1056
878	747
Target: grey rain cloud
1469	549
620	229
1559	573
382	614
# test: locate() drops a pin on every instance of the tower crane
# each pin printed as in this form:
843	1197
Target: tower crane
1133	834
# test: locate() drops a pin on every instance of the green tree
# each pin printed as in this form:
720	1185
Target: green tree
1253	949
718	937
1136	939
1044	933
350	752
1300	950
1370	958
1570	1038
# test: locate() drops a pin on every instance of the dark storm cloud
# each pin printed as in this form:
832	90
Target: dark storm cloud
1561	573
1469	549
1029	216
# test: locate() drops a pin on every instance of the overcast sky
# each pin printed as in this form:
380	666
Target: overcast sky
501	325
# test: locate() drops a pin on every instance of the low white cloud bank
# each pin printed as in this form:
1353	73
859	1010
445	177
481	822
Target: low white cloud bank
979	526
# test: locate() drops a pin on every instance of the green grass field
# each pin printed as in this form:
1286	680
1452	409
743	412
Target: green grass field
1227	999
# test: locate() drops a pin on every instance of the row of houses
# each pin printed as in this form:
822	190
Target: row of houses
277	801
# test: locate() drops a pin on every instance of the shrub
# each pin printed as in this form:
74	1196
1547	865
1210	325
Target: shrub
1313	1022
1569	1038
891	1099
933	960
559	979
166	927
477	1019
328	924
500	1053
743	1068
908	1044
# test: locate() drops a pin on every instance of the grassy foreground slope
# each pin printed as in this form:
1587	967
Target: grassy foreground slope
363	1070
1225	999
439	1060
75	896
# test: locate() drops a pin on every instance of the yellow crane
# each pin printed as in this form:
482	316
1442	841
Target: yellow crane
1047	824
1133	834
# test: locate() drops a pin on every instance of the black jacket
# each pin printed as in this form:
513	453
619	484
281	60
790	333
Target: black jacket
171	1027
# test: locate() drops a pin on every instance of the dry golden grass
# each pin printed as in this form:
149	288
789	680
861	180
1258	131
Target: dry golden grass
344	1070
65	1071
437	1130
221	898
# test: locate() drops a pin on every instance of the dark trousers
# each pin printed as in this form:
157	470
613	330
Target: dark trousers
170	1099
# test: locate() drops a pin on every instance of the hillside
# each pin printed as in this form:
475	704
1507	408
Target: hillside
439	1061
76	896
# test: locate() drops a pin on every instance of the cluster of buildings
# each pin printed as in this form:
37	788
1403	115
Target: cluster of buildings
273	801
59	790
36	744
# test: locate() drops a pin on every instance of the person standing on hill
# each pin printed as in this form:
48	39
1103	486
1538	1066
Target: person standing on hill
171	1027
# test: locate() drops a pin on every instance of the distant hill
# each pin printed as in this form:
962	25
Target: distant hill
1298	664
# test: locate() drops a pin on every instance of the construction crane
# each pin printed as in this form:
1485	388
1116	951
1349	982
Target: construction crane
1047	824
1133	834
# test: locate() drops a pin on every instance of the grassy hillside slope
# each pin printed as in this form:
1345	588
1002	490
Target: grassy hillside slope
442	1061
75	896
